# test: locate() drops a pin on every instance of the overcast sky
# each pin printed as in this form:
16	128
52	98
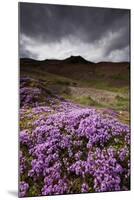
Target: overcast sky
56	31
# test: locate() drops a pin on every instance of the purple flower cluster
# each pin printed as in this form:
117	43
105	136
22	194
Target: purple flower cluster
29	96
23	189
22	165
25	137
32	94
72	149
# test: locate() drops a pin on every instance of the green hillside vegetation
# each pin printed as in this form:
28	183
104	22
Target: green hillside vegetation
102	85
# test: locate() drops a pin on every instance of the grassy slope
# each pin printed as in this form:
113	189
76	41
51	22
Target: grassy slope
102	85
104	88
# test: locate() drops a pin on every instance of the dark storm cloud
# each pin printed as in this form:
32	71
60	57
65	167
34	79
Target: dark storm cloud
52	23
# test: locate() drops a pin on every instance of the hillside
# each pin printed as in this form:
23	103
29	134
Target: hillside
103	75
74	127
77	68
103	84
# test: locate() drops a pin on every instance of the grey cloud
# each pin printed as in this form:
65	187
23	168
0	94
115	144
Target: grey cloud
119	42
53	23
24	53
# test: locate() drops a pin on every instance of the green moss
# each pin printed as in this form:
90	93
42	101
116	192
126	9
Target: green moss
116	142
120	76
62	82
84	100
122	103
35	189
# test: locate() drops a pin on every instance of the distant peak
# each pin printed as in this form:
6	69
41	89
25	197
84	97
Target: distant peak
76	59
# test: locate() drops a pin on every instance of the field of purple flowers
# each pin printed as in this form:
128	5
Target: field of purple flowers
67	148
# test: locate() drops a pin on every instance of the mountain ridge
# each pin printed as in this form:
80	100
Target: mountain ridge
68	60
